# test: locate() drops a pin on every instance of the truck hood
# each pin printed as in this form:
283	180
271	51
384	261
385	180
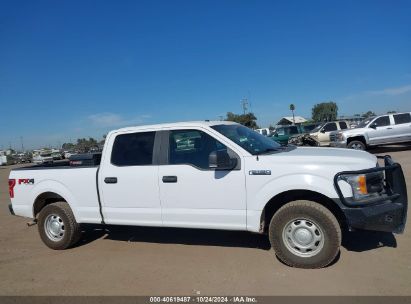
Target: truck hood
346	159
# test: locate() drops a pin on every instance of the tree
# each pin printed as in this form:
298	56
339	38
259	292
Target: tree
248	120
391	112
292	108
368	114
67	146
325	111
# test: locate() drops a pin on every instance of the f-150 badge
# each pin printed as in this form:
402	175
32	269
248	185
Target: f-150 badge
259	172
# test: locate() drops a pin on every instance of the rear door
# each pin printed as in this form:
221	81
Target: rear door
192	194
402	127
128	180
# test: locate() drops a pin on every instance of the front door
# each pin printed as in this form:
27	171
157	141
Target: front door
324	135
192	194
382	131
128	181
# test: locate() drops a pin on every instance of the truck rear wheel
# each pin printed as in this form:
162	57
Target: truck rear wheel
305	234
57	226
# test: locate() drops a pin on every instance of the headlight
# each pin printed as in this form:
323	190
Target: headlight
365	185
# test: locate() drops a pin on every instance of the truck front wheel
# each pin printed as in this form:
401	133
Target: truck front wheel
57	226
305	234
357	145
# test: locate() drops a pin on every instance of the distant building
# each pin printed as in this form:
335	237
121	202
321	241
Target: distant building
288	120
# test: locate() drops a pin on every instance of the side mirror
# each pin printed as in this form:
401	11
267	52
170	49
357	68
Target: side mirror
373	125
322	131
220	160
275	134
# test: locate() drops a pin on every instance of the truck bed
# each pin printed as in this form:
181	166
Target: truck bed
80	189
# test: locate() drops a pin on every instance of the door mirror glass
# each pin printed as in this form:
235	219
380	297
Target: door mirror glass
221	160
373	126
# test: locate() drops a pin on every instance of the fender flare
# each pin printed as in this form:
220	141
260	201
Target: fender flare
53	187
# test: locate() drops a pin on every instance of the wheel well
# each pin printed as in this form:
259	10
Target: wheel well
359	138
286	197
45	199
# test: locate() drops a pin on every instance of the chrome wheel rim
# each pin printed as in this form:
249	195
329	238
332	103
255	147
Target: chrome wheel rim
303	237
54	227
357	147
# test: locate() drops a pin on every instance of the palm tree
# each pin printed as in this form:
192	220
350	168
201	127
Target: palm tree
292	108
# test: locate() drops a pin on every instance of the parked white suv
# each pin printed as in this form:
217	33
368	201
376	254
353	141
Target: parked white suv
375	131
215	175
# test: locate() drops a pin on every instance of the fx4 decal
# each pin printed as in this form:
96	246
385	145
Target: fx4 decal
26	181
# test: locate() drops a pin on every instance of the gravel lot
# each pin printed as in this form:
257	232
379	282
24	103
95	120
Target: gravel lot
154	261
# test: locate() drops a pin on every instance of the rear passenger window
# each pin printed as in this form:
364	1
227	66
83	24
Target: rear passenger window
330	127
402	118
382	121
343	125
134	149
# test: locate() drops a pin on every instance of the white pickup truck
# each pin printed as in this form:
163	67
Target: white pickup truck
216	175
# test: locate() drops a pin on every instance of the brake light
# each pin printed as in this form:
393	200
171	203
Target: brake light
12	183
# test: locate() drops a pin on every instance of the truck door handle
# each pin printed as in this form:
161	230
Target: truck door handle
110	180
389	128
169	179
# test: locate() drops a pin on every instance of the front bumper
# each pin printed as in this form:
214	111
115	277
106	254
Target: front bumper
388	212
338	144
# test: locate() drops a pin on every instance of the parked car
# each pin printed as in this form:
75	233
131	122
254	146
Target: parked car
264	131
3	160
322	132
375	131
44	158
23	158
282	134
224	176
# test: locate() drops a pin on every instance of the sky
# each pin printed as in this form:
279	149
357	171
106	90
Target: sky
71	69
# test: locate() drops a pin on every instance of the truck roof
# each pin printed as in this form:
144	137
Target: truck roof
200	123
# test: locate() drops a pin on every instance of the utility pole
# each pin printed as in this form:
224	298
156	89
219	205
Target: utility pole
244	104
22	146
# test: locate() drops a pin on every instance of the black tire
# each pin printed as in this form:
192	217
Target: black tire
357	145
306	212
61	213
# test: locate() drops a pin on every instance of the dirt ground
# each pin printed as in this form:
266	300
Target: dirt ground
159	261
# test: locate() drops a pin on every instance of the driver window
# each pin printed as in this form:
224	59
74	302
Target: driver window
382	121
192	147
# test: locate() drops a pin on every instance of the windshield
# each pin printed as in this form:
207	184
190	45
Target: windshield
317	128
365	122
249	140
